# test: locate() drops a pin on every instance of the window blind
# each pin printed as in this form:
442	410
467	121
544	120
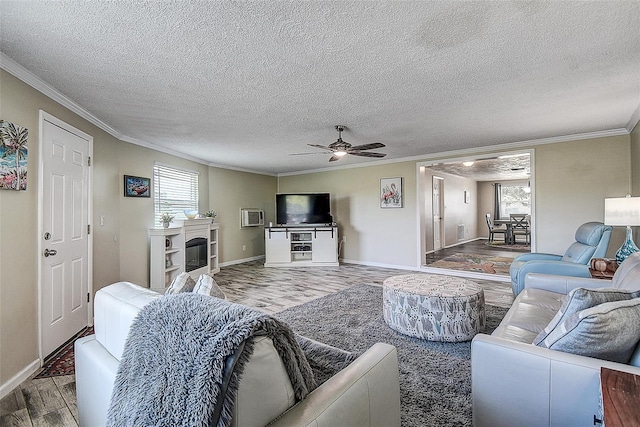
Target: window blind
174	190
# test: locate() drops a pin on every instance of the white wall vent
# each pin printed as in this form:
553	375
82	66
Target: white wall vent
460	232
251	217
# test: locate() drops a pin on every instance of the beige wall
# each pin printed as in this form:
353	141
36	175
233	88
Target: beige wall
381	236
229	191
485	205
136	214
120	246
572	180
635	160
456	211
635	173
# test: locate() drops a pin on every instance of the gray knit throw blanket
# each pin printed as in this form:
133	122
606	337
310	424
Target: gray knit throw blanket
175	365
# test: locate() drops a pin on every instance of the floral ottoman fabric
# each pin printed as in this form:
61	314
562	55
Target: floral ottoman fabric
434	307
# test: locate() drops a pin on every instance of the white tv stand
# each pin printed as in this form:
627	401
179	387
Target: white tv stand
293	246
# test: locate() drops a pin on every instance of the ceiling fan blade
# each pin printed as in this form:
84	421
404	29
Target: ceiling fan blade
368	146
366	154
303	154
320	146
334	158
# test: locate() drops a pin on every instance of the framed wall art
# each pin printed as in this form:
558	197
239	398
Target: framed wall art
391	192
136	186
13	156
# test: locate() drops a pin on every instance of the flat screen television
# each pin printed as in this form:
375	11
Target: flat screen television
303	208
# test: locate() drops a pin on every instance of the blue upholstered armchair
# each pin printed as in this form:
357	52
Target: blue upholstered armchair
592	241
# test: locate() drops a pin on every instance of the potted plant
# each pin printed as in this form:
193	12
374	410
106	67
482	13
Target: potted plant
166	219
211	214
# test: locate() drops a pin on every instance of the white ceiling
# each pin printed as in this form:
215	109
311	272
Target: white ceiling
507	167
245	84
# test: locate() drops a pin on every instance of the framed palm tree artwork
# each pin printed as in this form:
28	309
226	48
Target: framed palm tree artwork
13	156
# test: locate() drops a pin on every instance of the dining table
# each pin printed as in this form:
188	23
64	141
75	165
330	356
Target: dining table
508	235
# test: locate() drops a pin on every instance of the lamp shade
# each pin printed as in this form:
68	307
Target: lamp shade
622	211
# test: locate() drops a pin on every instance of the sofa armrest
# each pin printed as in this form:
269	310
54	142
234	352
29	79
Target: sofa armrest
95	370
562	284
365	393
115	307
521	384
559	268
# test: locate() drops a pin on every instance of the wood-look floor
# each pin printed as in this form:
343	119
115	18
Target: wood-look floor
52	401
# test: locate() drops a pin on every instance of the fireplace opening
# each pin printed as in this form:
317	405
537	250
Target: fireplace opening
196	254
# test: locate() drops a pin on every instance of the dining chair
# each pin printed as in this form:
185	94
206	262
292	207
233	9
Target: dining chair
520	227
495	230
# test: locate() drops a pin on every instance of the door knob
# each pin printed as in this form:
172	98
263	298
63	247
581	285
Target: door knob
51	252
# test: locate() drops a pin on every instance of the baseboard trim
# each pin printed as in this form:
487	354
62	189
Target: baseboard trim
381	265
19	378
241	261
462	242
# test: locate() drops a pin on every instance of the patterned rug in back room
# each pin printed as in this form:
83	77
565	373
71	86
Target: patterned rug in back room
474	262
62	362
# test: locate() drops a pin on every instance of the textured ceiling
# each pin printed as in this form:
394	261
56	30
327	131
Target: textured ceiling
509	167
245	84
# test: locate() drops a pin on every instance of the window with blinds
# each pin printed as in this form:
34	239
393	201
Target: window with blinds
174	190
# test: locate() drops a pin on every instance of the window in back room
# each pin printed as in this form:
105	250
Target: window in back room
515	198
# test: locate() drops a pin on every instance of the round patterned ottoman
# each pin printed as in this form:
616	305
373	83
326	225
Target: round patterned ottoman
433	307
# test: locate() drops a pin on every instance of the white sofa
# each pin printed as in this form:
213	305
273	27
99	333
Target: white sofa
366	393
516	383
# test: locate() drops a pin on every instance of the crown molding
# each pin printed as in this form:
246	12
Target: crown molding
17	70
634	120
238	169
162	149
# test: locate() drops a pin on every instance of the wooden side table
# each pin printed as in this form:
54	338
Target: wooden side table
602	268
620	398
595	274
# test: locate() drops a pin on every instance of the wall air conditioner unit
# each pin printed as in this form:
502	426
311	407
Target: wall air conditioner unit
251	217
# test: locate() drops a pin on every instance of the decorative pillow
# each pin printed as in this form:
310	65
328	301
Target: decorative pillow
207	286
579	299
182	283
607	331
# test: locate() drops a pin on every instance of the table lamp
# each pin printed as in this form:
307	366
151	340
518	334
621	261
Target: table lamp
623	211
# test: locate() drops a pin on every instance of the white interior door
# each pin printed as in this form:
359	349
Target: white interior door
65	243
436	190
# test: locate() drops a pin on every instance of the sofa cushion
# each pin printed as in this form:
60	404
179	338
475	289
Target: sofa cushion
206	285
603	331
579	299
530	313
182	283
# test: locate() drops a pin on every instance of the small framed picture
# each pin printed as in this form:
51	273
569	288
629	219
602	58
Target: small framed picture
391	192
467	197
136	186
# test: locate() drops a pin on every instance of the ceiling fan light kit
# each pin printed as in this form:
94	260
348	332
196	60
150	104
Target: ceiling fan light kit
341	148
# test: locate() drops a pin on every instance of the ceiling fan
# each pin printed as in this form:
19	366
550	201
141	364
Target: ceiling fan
341	148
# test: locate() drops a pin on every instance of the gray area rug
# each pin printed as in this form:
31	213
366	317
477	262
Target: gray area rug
435	377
